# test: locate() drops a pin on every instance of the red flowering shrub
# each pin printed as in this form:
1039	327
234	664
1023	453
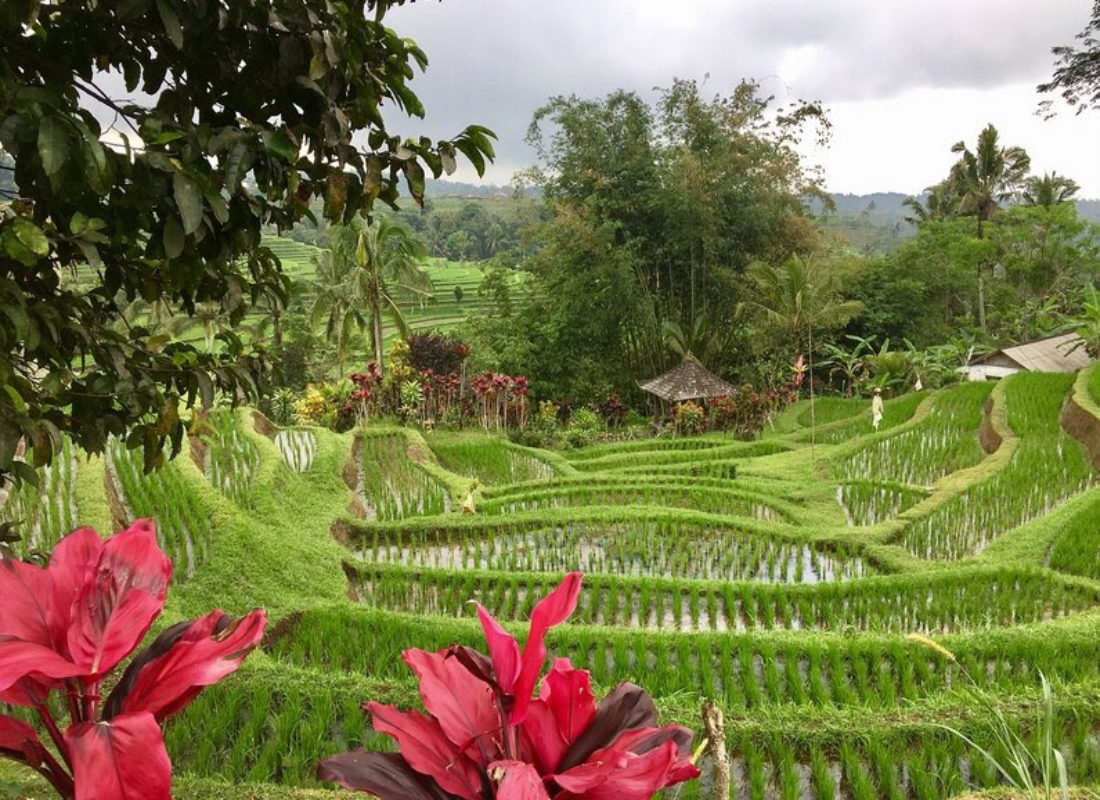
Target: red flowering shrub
67	626
485	736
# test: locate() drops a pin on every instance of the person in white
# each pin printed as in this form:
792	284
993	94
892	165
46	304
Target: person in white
876	409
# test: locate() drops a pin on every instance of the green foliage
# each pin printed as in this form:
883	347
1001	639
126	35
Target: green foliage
247	114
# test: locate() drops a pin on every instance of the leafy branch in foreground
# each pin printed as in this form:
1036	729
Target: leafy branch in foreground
232	116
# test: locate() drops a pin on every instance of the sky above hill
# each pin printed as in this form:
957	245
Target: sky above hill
902	81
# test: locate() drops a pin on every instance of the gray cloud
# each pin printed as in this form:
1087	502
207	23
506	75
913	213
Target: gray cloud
495	61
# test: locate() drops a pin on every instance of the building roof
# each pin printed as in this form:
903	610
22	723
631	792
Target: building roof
689	380
1056	354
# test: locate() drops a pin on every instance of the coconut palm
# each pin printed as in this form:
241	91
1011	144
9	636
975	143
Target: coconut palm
942	203
988	175
698	339
1050	190
983	179
358	277
798	298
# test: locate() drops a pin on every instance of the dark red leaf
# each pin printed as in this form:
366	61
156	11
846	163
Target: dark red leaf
19	741
114	610
207	650
123	759
385	775
426	749
626	708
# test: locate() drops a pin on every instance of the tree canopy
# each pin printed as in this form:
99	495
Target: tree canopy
1076	76
150	141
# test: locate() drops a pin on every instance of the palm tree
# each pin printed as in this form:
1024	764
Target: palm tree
983	179
941	204
1050	190
361	271
797	298
697	339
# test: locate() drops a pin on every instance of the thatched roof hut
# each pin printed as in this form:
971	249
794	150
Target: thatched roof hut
689	380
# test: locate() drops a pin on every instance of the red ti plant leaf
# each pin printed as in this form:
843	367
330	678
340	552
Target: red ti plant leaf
542	738
552	610
628	707
568	692
427	750
613	774
123	759
19	741
113	611
72	567
464	705
385	775
183	660
24	613
503	650
518	781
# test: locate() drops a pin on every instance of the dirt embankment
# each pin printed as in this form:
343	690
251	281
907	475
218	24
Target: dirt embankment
990	439
352	477
1084	427
263	425
120	517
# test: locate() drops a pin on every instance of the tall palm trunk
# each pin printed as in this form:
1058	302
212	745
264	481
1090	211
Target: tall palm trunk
376	322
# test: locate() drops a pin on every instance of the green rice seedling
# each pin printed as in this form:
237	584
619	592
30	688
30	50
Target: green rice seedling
231	459
754	769
184	529
298	448
945	441
1077	548
391	486
896	411
860	786
787	780
43	514
821	776
1046	469
871	502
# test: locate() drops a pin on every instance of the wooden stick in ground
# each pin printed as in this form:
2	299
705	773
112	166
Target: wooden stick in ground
715	728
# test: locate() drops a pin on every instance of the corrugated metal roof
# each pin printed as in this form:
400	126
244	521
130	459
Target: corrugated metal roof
689	380
1056	354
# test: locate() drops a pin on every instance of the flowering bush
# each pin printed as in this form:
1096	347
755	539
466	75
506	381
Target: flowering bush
485	736
67	626
689	417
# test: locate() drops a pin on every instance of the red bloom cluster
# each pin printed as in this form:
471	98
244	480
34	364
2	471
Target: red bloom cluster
65	627
485	736
365	385
498	394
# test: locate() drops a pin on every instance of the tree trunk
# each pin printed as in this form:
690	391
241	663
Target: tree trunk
715	728
376	322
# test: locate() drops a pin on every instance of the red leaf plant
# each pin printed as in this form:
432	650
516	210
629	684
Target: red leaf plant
66	626
486	737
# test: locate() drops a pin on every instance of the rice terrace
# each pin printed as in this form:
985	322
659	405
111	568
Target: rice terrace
779	581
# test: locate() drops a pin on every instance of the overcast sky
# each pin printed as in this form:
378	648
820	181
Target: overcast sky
903	81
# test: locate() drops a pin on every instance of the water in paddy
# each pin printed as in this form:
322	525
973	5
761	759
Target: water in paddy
623	550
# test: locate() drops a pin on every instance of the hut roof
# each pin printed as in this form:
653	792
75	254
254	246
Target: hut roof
689	380
1045	355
